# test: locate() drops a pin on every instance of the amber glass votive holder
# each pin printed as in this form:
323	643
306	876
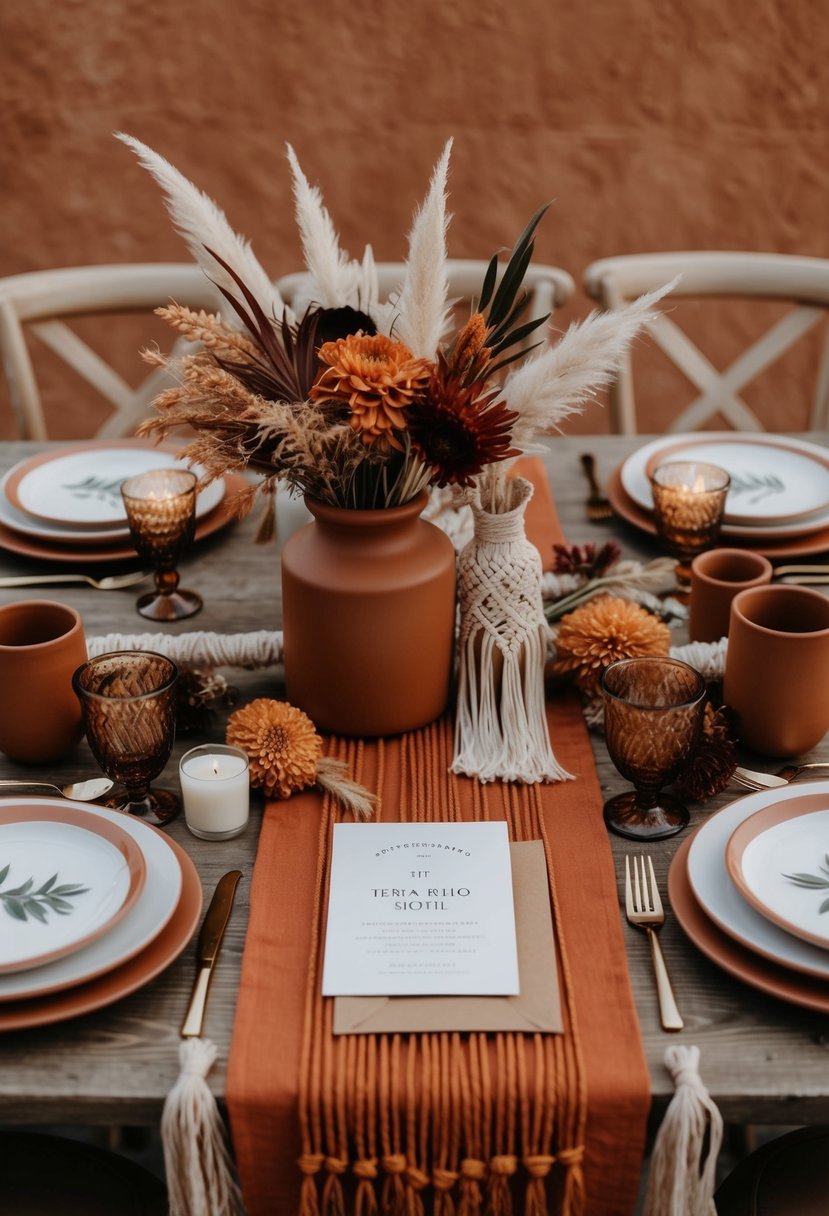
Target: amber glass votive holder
688	504
128	703
161	512
653	711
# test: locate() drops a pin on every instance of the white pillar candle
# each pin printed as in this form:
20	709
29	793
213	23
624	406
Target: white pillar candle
215	787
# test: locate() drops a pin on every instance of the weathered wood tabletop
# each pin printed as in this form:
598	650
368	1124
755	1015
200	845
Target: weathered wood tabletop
763	1060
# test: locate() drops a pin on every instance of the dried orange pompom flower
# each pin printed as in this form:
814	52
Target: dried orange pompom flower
603	630
282	744
285	756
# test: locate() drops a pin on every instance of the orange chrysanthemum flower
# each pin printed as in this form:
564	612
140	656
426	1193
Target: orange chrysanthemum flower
603	630
377	378
282	744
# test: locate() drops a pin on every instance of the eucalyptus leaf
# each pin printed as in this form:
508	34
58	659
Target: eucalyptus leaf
34	909
15	908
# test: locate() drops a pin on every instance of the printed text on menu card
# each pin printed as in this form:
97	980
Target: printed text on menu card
420	909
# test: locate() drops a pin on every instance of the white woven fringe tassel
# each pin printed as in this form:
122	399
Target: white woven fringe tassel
680	1183
501	723
197	1162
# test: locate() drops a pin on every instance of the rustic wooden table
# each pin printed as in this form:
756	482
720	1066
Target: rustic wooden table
763	1060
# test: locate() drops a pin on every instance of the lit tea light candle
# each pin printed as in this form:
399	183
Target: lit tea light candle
215	786
688	504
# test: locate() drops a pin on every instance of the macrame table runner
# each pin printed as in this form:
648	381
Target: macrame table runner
443	1123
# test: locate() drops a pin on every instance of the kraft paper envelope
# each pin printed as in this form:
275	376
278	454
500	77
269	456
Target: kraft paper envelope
537	1007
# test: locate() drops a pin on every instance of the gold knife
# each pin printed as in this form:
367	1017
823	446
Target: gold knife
207	951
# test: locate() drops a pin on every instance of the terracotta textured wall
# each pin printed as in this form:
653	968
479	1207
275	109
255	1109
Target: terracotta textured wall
653	124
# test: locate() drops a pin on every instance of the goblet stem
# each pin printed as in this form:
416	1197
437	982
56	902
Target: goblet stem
156	806
645	814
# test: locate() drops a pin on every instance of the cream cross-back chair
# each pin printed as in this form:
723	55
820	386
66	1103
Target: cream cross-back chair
43	301
800	281
547	286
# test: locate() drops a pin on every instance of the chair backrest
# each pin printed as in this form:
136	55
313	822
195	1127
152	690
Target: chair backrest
42	301
548	286
800	281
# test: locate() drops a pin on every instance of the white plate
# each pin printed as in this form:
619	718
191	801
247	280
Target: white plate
635	481
26	525
65	878
720	899
772	844
145	920
80	486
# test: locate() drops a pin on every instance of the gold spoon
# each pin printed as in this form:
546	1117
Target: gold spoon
112	582
80	791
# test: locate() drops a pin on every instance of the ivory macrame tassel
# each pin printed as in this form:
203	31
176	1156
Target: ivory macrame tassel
501	724
680	1182
196	1158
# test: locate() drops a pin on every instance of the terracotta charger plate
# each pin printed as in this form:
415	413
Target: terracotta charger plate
130	976
79	555
752	969
799	546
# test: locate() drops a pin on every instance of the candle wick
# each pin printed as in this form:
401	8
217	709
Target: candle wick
215	768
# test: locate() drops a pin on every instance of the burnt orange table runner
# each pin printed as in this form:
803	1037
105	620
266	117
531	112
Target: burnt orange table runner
418	1123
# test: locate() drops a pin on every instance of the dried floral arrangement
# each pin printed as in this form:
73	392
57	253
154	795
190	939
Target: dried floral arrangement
362	402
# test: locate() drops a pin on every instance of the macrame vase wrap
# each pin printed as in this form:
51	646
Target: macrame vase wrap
500	723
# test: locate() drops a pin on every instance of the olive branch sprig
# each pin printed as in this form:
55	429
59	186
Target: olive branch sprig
22	902
818	882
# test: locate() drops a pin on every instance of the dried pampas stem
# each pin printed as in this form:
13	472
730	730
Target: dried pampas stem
204	225
333	777
423	313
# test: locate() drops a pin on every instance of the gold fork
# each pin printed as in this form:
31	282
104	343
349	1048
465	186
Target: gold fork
111	582
644	910
597	506
752	780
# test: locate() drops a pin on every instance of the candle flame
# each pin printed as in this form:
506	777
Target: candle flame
699	484
215	768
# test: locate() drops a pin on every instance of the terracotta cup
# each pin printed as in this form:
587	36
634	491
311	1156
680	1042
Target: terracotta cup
41	644
716	577
777	668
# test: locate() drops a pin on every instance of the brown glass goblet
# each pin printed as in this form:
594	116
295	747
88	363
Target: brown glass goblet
653	716
128	703
688	504
161	512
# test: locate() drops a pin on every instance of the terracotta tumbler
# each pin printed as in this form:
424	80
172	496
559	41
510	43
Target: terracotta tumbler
777	668
716	577
41	644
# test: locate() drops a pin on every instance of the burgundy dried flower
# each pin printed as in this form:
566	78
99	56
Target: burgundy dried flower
584	559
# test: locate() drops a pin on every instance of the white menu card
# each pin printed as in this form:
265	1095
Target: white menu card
420	909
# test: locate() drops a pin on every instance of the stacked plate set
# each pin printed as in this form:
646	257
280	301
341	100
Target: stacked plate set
93	905
778	504
64	505
731	887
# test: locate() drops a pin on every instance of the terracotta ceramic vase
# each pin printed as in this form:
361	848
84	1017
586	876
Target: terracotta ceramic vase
777	668
716	578
368	602
41	644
